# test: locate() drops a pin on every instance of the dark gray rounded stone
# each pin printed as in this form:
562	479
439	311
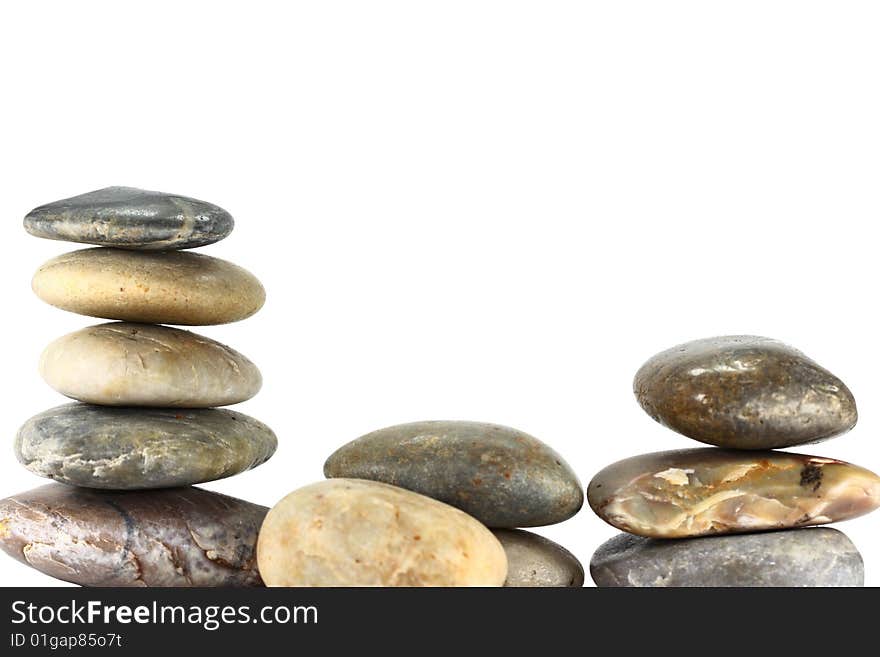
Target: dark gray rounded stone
136	448
795	558
535	561
173	537
131	218
501	476
744	392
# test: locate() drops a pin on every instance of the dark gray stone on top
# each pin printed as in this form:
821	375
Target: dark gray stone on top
131	218
172	537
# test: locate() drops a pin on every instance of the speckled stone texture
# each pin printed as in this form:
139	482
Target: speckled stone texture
695	492
347	532
175	537
744	392
131	218
154	288
131	449
500	476
147	365
795	558
535	561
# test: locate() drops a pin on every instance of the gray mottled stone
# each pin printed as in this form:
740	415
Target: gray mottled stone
131	218
533	560
173	537
138	448
744	392
795	558
501	476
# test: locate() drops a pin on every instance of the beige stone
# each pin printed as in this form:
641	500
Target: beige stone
125	364
171	287
351	532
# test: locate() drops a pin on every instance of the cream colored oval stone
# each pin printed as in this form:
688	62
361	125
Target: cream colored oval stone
351	532
171	287
125	364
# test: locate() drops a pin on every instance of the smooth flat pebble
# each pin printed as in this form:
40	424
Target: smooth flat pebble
131	218
695	492
125	364
174	537
533	560
501	476
794	558
744	392
139	448
170	287
348	532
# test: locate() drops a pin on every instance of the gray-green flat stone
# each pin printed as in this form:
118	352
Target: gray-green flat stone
131	218
172	537
501	476
795	558
139	448
533	560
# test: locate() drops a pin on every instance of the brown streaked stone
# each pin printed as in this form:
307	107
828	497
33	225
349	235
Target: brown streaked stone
171	537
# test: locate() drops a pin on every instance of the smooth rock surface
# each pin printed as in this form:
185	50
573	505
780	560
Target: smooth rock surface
744	392
174	537
501	476
132	448
125	364
794	558
155	288
694	492
533	560
348	532
131	218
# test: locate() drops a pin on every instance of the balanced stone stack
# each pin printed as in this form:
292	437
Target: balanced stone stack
410	505
144	426
746	395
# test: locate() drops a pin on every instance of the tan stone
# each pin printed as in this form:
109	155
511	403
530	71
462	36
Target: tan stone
125	364
351	532
171	287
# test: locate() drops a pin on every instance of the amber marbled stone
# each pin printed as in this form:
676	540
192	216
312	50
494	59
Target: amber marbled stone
744	392
698	492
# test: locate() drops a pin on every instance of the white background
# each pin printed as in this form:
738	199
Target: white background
468	210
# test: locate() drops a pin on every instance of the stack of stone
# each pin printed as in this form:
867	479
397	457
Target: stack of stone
746	395
409	505
144	426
